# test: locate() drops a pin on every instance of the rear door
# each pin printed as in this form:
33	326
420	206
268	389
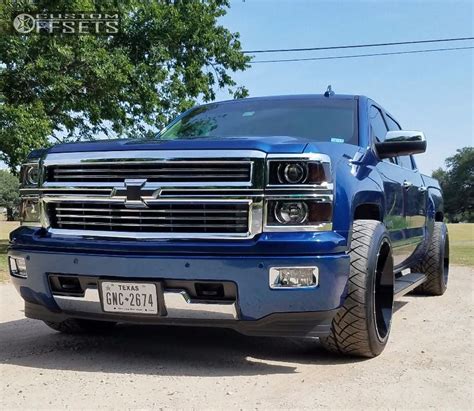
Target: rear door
414	202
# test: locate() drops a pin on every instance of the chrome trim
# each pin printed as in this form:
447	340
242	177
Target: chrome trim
147	155
248	192
253	192
179	305
296	228
146	236
150	157
177	302
254	225
89	303
397	136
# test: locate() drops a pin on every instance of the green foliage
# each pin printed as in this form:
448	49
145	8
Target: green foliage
457	182
9	192
167	55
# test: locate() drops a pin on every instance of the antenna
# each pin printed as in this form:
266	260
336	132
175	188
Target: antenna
329	92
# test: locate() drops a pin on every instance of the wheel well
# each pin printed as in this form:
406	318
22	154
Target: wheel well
439	216
368	212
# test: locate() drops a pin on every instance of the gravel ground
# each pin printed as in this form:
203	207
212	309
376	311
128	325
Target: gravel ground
427	364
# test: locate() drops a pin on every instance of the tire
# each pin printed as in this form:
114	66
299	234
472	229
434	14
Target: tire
362	325
435	263
80	326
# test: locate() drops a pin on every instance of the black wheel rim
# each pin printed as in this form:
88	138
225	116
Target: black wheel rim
383	291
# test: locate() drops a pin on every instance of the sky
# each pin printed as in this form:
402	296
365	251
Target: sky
431	92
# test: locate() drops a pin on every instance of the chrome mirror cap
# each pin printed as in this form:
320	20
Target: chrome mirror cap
401	143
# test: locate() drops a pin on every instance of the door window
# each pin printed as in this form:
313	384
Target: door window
377	124
405	162
378	128
392	124
402	161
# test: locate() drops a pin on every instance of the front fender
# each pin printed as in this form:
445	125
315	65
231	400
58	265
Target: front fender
355	185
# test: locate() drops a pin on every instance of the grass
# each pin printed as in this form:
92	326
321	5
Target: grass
461	237
461	242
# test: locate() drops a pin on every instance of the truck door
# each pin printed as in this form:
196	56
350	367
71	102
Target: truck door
392	179
414	203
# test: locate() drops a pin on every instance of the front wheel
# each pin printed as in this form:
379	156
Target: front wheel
362	325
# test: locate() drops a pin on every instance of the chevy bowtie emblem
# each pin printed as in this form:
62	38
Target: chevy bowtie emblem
133	193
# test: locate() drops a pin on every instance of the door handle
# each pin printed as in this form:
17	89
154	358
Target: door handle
407	184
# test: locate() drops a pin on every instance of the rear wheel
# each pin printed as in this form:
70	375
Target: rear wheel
435	263
362	325
79	326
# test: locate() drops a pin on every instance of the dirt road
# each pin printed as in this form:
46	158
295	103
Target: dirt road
428	363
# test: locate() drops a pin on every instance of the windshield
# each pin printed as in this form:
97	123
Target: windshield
312	119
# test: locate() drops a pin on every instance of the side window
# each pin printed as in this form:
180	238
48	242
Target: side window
402	161
377	124
405	162
378	128
392	124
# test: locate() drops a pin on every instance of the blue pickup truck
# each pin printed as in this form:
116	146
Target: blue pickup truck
300	216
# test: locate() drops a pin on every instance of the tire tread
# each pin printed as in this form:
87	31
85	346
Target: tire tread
349	332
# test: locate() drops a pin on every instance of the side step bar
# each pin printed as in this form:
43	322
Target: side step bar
407	283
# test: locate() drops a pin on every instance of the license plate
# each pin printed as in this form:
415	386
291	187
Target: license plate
127	297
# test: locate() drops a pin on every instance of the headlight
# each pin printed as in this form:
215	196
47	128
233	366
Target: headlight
30	175
281	213
30	212
292	173
288	172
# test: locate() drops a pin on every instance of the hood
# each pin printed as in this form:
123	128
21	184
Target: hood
274	144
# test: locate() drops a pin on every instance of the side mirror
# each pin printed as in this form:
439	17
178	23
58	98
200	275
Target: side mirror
401	143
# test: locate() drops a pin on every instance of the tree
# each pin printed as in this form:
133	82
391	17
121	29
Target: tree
167	55
457	182
9	193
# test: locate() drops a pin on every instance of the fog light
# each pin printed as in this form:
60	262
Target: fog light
284	277
17	267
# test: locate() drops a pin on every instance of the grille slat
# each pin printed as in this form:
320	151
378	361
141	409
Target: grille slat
154	177
131	210
145	170
168	171
118	225
193	217
130	217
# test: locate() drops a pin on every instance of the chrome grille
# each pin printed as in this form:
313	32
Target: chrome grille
160	217
205	171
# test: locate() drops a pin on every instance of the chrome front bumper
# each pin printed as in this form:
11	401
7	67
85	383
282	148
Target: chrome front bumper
177	302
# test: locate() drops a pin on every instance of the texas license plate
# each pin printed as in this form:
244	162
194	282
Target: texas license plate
127	297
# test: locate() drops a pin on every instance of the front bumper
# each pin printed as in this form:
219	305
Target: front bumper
257	309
